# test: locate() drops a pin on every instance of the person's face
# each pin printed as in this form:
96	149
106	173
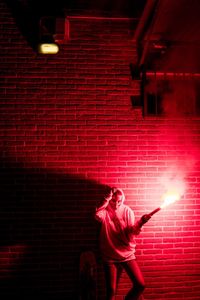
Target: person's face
116	201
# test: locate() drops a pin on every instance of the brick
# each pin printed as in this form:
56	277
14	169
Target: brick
67	128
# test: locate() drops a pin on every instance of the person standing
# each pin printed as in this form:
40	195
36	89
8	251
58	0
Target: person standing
117	244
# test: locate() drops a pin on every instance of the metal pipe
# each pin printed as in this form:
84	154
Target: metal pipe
144	20
100	18
171	74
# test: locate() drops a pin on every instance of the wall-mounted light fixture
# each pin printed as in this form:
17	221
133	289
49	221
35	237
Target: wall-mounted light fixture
47	46
52	32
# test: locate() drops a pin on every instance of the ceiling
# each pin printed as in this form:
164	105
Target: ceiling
168	32
171	41
110	8
27	13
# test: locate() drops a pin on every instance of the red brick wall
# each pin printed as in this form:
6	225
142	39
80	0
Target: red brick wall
68	129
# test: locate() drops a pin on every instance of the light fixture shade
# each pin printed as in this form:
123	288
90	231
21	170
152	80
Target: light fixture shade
48	48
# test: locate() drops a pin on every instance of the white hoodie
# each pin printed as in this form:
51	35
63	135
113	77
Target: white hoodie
117	240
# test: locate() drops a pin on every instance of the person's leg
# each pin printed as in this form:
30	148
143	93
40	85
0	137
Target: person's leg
133	271
112	276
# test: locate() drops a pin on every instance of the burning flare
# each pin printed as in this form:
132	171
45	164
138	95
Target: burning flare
170	196
173	193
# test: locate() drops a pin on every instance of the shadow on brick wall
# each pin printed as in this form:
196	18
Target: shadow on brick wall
46	221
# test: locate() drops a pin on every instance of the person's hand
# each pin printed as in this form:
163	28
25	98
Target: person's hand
145	218
108	195
113	189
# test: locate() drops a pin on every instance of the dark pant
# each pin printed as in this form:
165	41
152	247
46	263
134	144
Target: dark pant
113	272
